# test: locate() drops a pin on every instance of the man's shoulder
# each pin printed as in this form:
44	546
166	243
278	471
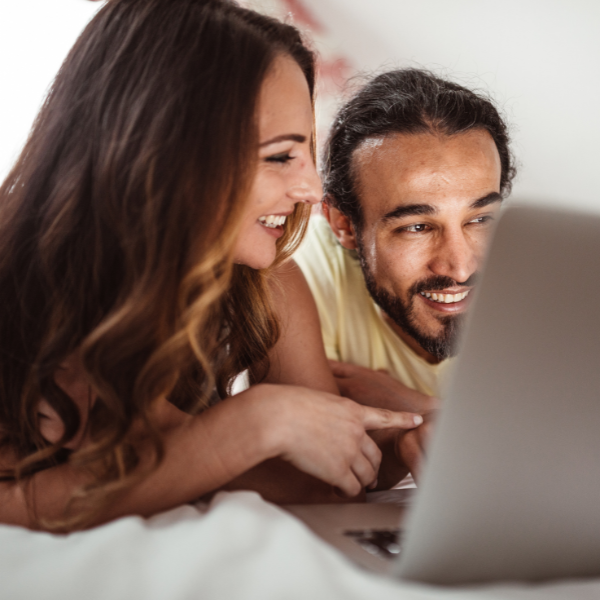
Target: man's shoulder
316	256
335	279
319	237
321	256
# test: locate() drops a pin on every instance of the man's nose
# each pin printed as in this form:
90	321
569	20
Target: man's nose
307	187
456	256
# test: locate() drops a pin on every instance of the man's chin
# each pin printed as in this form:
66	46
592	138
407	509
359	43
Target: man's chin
442	344
436	332
440	348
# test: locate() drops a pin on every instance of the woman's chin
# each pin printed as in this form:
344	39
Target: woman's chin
256	260
256	249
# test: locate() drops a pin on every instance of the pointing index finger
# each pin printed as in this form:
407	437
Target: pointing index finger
381	418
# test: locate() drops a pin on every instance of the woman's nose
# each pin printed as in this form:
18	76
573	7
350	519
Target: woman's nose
307	188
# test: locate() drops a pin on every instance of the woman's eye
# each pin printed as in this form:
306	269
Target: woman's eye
282	157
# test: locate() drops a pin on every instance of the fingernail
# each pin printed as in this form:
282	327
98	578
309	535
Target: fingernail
373	485
418	419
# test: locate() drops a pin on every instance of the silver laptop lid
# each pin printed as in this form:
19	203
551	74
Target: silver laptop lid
512	485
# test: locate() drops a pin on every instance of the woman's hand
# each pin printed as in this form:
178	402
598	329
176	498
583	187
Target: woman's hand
325	435
404	451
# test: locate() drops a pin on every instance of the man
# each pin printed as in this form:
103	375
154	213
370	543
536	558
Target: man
415	171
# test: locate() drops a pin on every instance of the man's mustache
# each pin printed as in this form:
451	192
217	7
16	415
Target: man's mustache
440	282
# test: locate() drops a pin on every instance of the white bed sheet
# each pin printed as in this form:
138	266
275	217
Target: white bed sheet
240	547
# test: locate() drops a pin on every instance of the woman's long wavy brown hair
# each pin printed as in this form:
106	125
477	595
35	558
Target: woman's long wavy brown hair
117	227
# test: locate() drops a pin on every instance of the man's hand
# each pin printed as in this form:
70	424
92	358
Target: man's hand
410	446
379	389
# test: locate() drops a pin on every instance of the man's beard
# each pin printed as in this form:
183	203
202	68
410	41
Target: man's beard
445	343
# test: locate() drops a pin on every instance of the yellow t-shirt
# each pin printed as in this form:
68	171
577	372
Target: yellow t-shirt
352	324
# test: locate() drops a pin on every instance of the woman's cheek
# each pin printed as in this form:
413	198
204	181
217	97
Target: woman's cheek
271	188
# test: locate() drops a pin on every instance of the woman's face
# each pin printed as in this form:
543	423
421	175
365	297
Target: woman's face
285	174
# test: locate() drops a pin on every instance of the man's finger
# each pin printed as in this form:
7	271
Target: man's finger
411	453
381	418
425	434
341	369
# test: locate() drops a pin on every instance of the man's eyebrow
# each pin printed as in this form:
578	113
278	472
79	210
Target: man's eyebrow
293	137
487	200
414	210
409	210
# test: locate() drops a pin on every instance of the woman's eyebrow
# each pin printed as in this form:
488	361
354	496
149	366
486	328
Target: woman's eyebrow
293	137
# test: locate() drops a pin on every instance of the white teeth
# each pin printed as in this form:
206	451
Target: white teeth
446	298
272	221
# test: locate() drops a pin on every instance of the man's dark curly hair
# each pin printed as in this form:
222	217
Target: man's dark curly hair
406	101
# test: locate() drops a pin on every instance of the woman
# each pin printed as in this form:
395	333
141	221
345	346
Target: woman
170	166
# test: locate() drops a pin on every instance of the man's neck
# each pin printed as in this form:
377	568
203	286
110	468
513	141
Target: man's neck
410	341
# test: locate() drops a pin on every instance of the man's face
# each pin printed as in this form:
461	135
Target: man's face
428	204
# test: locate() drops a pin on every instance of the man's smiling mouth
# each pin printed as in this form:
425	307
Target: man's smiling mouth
445	298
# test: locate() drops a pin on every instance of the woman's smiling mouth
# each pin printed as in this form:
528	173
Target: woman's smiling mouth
273	224
272	221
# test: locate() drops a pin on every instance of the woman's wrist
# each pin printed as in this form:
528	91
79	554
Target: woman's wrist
262	413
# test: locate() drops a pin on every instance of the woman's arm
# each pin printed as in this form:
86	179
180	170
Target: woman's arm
320	434
193	464
299	357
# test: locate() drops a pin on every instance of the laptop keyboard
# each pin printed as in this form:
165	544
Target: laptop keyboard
381	542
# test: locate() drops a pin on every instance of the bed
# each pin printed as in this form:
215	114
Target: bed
238	547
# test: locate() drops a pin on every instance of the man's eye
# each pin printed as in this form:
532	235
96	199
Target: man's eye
484	219
418	228
282	157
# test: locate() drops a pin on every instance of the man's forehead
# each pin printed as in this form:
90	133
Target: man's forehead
402	168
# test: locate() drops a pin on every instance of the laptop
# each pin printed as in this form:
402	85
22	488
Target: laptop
511	488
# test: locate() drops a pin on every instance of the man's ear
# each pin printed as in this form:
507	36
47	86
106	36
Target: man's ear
341	226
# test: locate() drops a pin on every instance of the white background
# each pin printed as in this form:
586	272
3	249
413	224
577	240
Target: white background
540	59
35	37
